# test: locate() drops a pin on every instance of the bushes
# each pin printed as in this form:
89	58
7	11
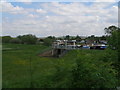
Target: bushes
90	70
113	36
28	39
6	39
62	75
93	74
15	40
24	39
48	40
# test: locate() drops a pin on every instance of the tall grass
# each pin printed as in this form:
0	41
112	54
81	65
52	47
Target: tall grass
46	71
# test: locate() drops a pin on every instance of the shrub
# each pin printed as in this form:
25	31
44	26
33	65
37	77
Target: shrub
28	39
93	74
15	40
6	39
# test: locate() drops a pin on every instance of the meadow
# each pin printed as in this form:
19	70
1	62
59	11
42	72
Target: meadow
23	68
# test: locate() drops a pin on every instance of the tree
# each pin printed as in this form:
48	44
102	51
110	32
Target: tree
114	43
78	38
103	38
67	37
91	38
6	39
111	29
113	36
48	41
51	37
28	39
15	40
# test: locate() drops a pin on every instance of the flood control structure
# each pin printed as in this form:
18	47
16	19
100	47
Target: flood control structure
60	47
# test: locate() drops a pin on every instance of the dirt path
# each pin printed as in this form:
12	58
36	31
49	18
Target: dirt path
46	54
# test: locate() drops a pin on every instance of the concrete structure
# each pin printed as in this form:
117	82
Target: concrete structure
65	44
60	47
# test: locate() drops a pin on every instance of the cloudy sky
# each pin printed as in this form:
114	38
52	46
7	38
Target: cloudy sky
57	18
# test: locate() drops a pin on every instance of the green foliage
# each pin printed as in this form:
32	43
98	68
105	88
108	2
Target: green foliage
0	40
111	29
92	37
51	37
93	73
15	40
103	38
87	70
28	39
48	41
78	68
6	39
67	37
16	67
114	43
113	38
62	75
78	38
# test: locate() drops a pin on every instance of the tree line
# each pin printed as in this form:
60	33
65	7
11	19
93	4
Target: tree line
27	39
112	37
32	39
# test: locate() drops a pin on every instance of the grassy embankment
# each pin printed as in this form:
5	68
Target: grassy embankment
16	65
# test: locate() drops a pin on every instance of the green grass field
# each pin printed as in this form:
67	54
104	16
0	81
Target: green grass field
16	66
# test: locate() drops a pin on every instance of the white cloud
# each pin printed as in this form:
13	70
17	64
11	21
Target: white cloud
18	1
77	8
33	16
61	19
8	7
106	0
61	0
41	11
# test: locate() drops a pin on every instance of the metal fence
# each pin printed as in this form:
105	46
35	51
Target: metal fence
66	47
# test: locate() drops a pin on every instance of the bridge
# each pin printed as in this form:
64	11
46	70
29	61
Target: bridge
60	50
68	45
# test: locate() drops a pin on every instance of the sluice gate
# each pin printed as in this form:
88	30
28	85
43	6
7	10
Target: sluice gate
59	52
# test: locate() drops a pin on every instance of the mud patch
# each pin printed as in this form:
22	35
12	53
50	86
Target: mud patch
46	54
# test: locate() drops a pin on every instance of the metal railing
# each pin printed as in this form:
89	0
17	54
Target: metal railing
65	47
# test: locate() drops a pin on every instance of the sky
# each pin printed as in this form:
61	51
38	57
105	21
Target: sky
46	18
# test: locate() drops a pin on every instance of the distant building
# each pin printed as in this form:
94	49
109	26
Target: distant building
103	41
73	44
